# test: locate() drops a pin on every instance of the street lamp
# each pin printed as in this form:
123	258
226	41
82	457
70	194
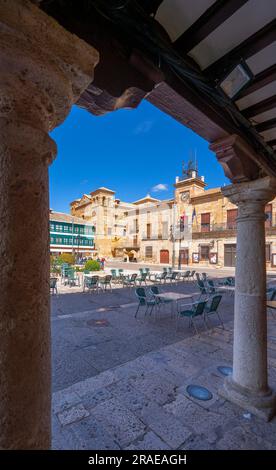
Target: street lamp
181	230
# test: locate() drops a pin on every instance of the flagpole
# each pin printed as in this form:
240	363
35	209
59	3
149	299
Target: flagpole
173	237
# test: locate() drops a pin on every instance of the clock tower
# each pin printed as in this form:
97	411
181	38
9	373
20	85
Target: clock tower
189	185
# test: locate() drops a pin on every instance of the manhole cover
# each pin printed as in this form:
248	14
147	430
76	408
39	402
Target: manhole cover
201	393
224	370
100	322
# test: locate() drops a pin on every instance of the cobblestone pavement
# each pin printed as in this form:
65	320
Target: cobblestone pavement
120	382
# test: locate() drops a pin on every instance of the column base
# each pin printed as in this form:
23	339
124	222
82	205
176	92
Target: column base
263	406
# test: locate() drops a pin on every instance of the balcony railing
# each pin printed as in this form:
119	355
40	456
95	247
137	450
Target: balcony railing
228	227
155	237
215	227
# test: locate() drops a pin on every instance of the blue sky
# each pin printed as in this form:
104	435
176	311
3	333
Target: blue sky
129	151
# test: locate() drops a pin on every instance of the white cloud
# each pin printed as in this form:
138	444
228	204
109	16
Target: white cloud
159	187
143	127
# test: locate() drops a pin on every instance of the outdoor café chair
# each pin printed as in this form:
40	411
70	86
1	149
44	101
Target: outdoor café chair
213	308
195	310
212	288
91	283
271	294
106	282
144	301
191	276
185	275
142	278
160	277
155	292
172	276
72	279
202	289
114	275
53	285
130	281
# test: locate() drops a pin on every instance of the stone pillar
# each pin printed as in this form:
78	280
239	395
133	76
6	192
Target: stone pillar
43	70
248	386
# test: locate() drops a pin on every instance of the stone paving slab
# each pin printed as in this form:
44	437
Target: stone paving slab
137	399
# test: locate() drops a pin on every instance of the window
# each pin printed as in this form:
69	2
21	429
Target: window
205	222
165	230
109	231
204	252
135	226
268	252
65	228
231	219
268	215
148	252
148	231
52	227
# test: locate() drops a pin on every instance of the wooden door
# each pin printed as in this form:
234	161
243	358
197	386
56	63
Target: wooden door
230	255
231	218
184	256
164	256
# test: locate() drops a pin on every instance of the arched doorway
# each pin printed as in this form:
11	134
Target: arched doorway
164	256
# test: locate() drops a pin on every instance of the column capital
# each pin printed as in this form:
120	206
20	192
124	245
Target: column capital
238	159
255	193
44	68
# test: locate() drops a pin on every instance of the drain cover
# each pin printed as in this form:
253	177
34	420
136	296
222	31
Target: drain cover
100	322
224	370
201	393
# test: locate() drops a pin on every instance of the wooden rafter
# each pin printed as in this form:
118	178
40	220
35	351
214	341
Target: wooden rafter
264	126
271	142
260	107
211	19
255	43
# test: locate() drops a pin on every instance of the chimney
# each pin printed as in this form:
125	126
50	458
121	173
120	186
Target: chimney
177	179
202	178
193	174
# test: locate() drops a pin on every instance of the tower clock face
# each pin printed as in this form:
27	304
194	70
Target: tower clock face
185	196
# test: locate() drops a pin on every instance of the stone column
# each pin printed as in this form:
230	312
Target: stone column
43	70
248	387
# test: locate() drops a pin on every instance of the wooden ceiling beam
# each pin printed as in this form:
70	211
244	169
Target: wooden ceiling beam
255	43
271	142
259	81
264	126
211	19
260	107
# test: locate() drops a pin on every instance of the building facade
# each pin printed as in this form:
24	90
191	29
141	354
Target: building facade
69	234
109	217
196	226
